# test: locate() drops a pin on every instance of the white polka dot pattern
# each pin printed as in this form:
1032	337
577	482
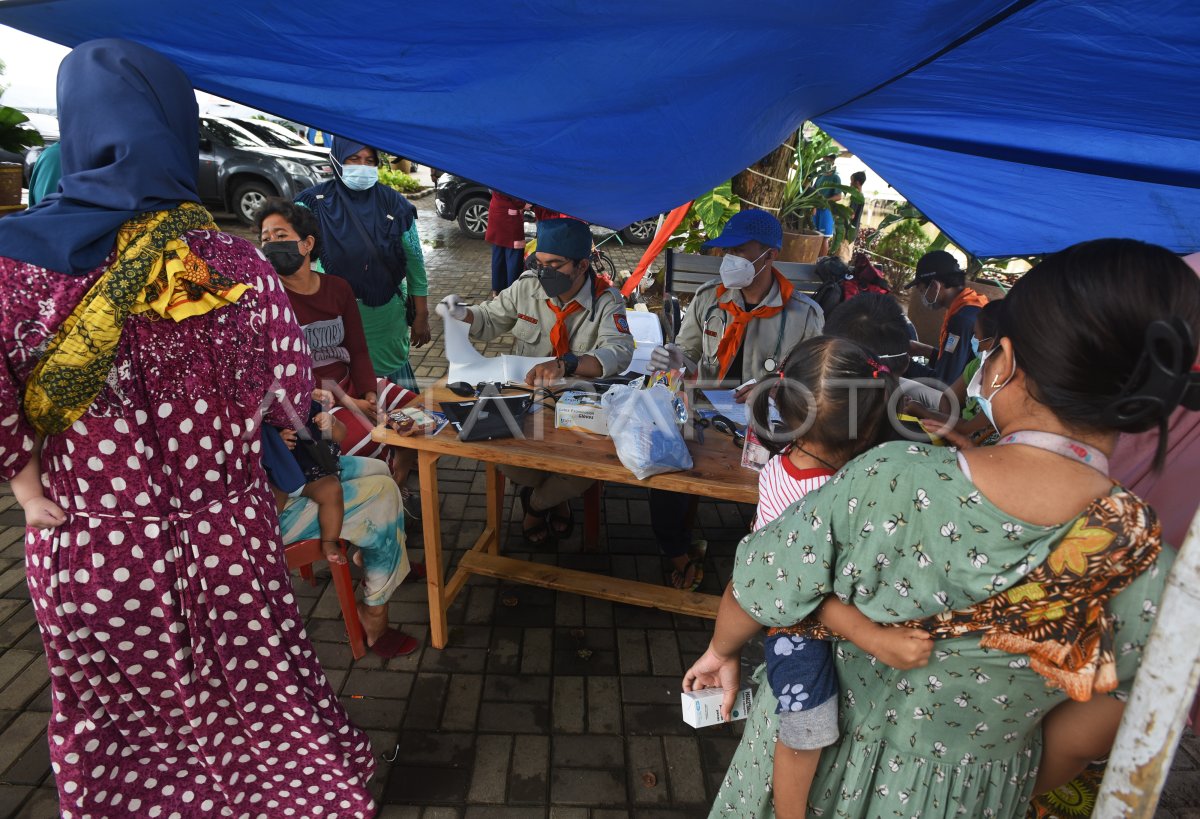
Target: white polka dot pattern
182	681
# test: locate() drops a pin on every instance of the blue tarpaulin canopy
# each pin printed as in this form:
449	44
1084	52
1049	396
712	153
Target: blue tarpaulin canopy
1018	127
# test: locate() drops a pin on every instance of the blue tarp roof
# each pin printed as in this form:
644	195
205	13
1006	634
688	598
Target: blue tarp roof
1018	127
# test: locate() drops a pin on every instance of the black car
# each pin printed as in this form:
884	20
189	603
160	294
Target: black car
464	201
238	171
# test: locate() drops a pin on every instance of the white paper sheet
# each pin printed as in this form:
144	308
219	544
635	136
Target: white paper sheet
646	330
469	365
722	401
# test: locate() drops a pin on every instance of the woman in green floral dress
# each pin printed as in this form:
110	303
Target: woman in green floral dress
1026	561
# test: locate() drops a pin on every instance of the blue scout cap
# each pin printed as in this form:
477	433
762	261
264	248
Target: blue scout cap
564	237
750	226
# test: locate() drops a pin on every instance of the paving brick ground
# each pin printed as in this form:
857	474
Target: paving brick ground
543	705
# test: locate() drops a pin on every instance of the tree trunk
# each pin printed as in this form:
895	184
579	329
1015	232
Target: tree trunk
761	185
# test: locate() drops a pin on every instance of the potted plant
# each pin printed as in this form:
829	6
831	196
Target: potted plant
807	190
15	137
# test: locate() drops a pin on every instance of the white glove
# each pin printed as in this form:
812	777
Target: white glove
453	307
667	357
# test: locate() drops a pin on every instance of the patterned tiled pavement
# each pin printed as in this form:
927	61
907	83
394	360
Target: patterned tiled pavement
543	704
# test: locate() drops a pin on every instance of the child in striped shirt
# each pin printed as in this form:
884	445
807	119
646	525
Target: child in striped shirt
829	418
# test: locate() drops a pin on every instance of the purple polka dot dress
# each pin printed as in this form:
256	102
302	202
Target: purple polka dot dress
183	683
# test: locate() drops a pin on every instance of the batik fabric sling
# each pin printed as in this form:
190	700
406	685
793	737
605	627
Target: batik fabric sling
1057	616
154	272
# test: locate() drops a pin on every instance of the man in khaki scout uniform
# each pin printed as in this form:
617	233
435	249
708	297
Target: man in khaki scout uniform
742	324
738	327
562	309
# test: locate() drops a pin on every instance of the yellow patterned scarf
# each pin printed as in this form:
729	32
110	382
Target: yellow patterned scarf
154	271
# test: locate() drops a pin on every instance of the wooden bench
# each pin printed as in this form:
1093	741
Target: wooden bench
685	273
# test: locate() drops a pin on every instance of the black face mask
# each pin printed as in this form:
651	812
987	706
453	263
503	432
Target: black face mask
285	257
554	282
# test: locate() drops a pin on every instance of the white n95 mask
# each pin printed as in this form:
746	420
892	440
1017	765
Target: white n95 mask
737	272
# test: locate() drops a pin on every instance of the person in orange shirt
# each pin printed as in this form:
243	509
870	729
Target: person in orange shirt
943	286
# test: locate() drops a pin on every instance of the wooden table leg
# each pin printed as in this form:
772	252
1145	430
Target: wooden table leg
495	507
431	522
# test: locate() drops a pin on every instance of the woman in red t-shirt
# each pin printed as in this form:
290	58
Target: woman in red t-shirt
328	314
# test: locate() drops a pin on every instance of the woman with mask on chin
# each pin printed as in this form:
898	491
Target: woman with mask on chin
1038	575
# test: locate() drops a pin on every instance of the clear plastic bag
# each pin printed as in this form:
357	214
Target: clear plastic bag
644	427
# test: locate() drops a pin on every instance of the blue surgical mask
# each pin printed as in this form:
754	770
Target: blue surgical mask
359	177
974	346
974	390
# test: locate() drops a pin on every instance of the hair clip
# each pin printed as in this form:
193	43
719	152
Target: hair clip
879	368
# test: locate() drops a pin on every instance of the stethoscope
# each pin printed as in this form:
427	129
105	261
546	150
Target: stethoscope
772	362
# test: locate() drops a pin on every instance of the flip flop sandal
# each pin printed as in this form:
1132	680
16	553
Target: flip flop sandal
562	527
394	643
542	528
677	577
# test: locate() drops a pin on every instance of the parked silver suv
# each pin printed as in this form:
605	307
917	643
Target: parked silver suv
239	171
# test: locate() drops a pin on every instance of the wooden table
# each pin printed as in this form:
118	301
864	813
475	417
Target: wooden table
716	473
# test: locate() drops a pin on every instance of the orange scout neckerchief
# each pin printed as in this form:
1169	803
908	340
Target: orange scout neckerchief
560	337
966	298
735	331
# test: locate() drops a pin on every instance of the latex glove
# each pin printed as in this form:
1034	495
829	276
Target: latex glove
454	308
667	357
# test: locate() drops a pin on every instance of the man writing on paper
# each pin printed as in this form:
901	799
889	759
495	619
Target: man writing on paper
560	308
739	326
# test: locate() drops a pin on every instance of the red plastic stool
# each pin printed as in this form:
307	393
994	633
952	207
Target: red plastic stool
301	555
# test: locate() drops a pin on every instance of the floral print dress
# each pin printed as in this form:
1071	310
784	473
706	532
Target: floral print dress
902	534
182	681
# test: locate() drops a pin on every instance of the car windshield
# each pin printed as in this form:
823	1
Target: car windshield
281	138
232	135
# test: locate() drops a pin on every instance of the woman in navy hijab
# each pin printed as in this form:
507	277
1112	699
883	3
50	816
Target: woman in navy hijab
369	238
141	345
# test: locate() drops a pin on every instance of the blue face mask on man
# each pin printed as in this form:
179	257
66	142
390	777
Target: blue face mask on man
359	177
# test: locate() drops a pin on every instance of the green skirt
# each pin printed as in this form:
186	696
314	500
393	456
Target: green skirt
386	329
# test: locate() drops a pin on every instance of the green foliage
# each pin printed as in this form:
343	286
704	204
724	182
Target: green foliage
15	136
901	246
399	180
806	191
910	219
706	218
